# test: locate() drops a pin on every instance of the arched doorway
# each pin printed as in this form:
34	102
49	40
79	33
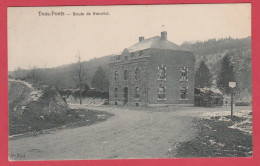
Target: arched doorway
125	95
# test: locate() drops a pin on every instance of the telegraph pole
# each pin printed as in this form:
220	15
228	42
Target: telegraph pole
232	85
231	103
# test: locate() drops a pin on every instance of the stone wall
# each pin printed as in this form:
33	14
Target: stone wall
148	83
173	61
131	83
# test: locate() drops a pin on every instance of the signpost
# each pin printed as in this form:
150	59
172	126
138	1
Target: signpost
232	85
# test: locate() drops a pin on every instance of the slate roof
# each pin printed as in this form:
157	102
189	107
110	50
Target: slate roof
154	42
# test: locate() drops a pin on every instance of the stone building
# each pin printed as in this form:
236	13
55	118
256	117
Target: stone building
153	72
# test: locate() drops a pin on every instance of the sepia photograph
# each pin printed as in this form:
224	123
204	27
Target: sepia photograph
129	82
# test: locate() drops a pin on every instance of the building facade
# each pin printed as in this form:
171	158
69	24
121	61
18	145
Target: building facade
153	72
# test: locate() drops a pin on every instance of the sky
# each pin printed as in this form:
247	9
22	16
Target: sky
48	41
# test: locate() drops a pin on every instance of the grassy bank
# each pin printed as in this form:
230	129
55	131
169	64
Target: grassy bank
34	108
30	124
218	136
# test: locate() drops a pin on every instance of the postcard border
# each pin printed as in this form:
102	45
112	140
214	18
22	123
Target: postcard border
251	161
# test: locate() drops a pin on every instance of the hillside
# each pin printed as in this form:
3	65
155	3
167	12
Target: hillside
62	76
28	106
34	108
211	51
214	46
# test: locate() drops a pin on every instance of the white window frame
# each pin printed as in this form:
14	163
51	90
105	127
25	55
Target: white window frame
186	70
116	76
161	79
186	93
137	98
164	86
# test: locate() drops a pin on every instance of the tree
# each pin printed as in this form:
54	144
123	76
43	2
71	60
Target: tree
19	73
79	75
57	80
86	87
226	75
203	77
34	74
100	80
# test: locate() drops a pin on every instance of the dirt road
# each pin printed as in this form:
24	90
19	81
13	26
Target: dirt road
130	133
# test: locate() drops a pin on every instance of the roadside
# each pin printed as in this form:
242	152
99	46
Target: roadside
218	136
128	134
165	132
35	109
74	118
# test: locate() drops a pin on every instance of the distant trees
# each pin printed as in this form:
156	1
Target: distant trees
244	78
226	75
100	80
214	46
86	87
19	73
56	80
78	75
34	74
203	77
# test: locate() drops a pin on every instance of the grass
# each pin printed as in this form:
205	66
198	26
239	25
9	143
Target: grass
216	139
31	123
30	114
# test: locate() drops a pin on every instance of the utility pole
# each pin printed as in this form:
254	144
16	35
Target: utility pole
232	85
231	103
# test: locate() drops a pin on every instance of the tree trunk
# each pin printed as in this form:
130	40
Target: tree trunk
80	102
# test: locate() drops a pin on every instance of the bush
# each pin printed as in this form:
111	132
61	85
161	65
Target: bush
49	93
65	92
94	93
242	103
97	94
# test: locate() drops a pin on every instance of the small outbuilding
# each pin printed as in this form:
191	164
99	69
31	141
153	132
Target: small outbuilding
208	97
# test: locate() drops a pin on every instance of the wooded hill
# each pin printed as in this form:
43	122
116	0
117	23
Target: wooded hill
62	76
211	51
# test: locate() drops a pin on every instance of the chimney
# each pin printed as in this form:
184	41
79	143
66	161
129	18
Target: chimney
164	35
141	38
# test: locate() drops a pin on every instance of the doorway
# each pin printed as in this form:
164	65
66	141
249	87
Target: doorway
125	95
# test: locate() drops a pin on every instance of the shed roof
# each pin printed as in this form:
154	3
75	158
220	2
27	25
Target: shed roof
212	89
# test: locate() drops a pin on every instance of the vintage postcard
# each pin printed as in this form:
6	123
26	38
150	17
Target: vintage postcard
130	82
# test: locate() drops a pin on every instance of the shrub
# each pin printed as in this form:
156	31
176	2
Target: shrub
242	103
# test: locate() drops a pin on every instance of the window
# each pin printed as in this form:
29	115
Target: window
161	92
137	74
184	74
116	93
184	93
137	92
161	72
125	75
116	75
